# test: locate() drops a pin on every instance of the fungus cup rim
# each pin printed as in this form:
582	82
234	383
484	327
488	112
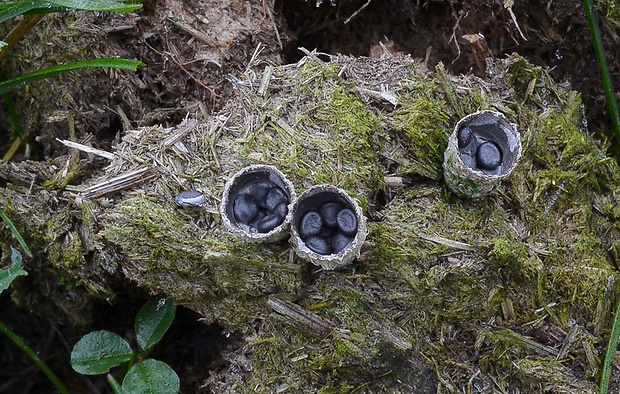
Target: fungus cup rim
237	182
468	182
346	255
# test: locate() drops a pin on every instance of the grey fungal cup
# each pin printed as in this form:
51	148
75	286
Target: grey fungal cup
190	199
257	204
483	149
328	227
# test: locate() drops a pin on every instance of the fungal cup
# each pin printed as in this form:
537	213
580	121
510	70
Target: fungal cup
328	227
483	149
256	204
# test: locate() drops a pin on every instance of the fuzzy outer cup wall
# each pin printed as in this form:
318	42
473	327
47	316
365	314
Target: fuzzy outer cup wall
257	204
328	227
483	149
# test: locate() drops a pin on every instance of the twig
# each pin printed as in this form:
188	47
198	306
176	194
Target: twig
357	12
446	242
267	8
122	182
456	26
180	132
508	6
87	149
301	318
174	60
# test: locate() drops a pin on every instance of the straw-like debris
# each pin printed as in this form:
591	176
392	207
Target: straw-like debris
509	292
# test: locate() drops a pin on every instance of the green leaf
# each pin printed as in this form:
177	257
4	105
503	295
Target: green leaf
151	377
99	351
8	275
13	9
16	233
98	5
153	321
19	82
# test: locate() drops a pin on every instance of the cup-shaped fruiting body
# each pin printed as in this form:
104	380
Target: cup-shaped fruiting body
483	149
328	227
257	204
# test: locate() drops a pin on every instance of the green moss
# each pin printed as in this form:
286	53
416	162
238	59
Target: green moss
424	129
610	10
459	286
219	274
324	135
509	253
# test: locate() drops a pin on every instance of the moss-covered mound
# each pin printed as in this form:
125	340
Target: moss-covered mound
509	292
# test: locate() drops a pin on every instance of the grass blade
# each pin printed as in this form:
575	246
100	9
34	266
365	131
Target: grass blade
18	82
12	9
19	341
98	5
611	352
599	52
16	233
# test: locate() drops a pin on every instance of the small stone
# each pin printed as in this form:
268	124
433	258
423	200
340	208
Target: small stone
318	245
281	209
245	208
347	222
310	224
339	242
259	190
274	197
489	156
329	210
190	199
464	137
269	222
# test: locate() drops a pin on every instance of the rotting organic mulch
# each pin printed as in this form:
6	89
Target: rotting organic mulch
513	291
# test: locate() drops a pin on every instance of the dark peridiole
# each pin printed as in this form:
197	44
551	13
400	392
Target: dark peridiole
190	199
339	242
275	196
347	222
281	209
269	222
329	211
311	224
489	156
245	208
464	137
318	245
259	190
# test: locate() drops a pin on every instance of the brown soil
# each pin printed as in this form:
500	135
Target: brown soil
193	49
